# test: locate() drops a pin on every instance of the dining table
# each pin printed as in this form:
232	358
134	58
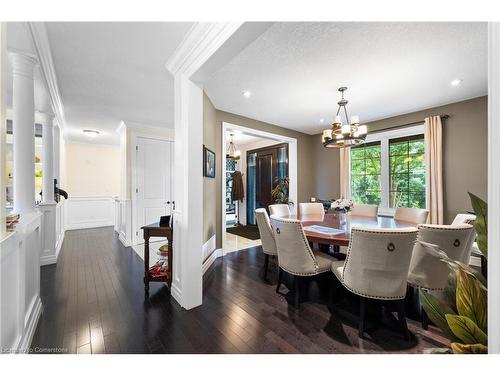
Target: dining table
334	228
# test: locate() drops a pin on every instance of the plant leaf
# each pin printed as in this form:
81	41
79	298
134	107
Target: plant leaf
471	300
455	265
450	291
437	311
466	330
438	351
481	224
458	348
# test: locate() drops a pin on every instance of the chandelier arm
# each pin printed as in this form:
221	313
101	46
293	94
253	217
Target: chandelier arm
346	116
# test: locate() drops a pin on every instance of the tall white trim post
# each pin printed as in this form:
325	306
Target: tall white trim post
493	191
47	157
57	154
23	123
201	43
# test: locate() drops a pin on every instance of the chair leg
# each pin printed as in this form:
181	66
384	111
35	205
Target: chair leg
402	319
425	319
296	288
361	328
266	265
280	278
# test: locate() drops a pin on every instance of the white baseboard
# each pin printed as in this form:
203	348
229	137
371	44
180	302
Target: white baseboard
34	316
176	293
123	240
59	244
47	260
210	260
90	225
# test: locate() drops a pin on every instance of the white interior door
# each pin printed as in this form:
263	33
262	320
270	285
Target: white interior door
153	182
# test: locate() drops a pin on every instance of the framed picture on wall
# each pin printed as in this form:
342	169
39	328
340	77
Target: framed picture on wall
208	163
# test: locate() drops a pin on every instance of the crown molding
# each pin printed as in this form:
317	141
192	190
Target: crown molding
42	46
199	44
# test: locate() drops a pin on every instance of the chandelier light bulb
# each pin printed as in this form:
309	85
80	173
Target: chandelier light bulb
346	129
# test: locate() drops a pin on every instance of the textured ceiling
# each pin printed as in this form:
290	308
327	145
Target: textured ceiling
293	71
113	71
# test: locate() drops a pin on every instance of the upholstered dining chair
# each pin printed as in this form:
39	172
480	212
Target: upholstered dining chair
295	256
311	208
280	210
466	219
376	268
368	210
266	237
426	270
411	215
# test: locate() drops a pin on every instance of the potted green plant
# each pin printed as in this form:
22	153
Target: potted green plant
280	191
463	314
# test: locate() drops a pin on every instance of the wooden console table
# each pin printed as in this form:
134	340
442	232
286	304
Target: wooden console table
155	230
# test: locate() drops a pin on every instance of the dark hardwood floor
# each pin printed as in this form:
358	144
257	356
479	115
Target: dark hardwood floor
94	302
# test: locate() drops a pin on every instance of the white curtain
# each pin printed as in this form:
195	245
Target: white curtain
433	138
345	172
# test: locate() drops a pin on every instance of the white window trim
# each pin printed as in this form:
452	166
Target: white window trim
383	137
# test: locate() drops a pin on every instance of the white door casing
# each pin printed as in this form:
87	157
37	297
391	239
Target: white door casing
153	184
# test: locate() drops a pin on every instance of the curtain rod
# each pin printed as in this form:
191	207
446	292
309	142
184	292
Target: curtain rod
443	117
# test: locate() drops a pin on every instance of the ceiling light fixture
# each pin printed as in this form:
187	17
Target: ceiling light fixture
91	133
322	120
456	82
231	152
247	94
344	135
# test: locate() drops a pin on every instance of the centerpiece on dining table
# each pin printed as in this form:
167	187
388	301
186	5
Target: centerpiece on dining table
341	207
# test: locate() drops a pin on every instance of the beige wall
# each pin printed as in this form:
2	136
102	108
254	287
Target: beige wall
326	170
210	193
465	139
212	135
92	170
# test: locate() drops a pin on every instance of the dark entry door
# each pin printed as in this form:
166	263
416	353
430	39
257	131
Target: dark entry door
265	166
266	175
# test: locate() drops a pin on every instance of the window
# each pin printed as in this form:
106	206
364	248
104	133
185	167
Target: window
389	170
407	172
365	173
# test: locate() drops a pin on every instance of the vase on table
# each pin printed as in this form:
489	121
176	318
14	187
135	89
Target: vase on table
342	215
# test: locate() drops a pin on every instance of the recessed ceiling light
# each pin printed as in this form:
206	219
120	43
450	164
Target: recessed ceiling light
247	93
322	120
456	82
91	133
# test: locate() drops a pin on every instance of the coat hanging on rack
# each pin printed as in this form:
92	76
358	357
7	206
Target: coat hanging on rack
237	193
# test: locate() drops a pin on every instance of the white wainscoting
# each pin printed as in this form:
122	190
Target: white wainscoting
20	304
89	212
123	221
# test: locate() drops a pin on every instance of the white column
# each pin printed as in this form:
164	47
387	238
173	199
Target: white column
493	183
57	154
23	122
47	157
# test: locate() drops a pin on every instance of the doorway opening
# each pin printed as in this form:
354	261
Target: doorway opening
254	162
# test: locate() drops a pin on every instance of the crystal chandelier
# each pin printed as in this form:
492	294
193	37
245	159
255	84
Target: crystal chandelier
344	135
231	152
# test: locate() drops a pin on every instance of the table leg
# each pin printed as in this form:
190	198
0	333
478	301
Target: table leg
170	258
146	263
